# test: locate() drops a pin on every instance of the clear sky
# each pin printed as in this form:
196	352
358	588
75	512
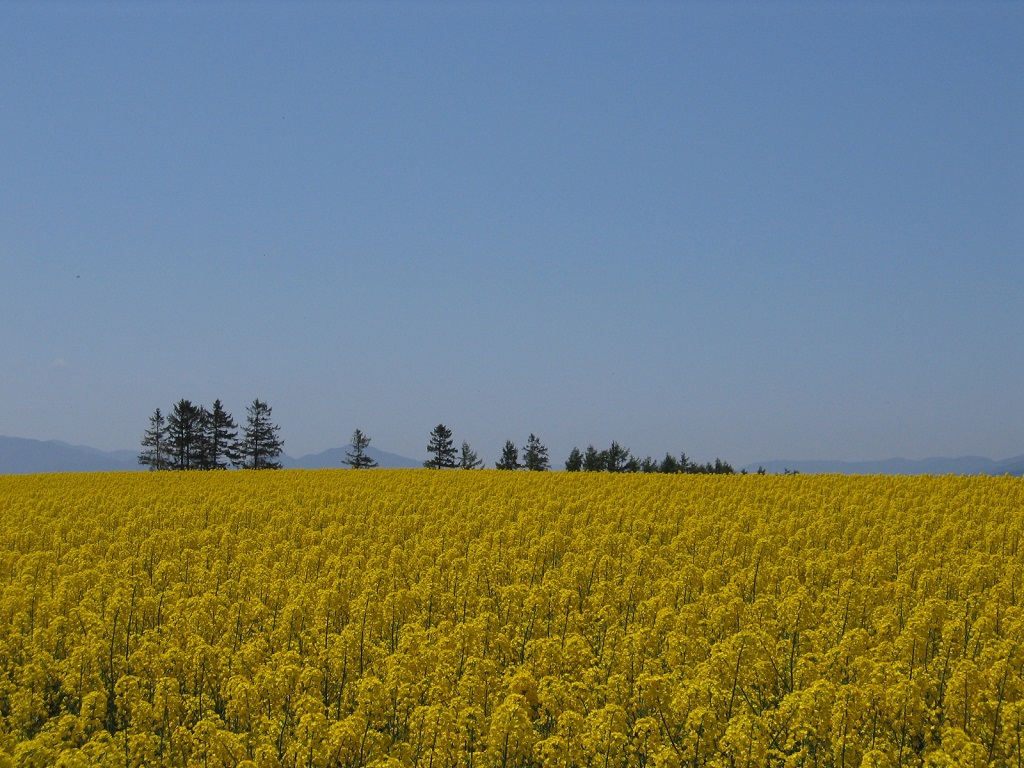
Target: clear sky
746	230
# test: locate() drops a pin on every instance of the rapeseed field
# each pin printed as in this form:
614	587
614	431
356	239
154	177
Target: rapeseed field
486	618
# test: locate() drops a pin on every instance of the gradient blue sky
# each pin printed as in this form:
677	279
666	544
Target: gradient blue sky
746	230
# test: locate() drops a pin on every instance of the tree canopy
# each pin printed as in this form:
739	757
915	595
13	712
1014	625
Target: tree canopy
356	458
442	447
509	457
193	437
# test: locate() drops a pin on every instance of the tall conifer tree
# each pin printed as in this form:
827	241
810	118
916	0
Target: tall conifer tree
357	458
575	461
443	448
535	455
155	447
261	443
509	457
468	458
185	435
221	438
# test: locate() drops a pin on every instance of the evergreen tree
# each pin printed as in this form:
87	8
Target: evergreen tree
155	444
468	458
221	442
535	455
723	468
575	461
617	458
185	435
593	460
648	465
443	448
509	457
357	458
669	465
204	457
261	443
685	464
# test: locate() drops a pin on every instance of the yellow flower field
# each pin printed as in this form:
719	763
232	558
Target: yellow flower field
413	617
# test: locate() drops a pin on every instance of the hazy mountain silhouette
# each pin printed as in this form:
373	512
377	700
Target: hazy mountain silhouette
333	458
964	465
21	456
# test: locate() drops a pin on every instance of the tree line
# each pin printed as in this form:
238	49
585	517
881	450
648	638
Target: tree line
195	437
534	457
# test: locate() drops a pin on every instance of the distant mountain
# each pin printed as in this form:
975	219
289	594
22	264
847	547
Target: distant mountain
332	458
965	465
19	456
22	456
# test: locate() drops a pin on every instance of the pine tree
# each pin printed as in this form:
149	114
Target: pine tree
261	443
618	459
723	468
185	435
575	461
669	465
443	448
593	460
221	442
648	464
509	457
468	458
357	458
204	457
155	444
535	455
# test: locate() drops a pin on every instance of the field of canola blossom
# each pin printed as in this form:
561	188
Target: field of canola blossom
419	618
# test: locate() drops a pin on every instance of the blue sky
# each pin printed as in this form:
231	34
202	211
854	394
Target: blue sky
753	231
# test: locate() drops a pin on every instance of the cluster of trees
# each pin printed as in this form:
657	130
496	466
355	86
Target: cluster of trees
535	456
615	458
194	437
618	459
444	455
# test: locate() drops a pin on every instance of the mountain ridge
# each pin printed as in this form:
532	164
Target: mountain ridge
936	465
22	455
27	456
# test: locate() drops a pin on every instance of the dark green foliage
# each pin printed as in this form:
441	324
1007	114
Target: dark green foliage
509	457
593	460
669	465
718	467
443	448
220	446
575	461
357	458
648	465
185	427
535	455
617	458
191	438
261	444
468	458
155	448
